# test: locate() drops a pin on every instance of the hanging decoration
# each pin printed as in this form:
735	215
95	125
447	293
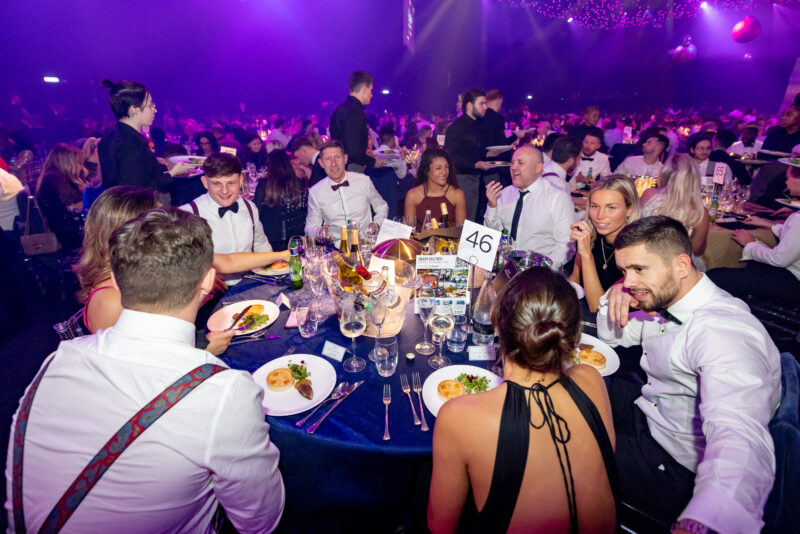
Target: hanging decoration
746	29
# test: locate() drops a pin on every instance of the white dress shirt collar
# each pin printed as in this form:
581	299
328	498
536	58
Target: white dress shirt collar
132	323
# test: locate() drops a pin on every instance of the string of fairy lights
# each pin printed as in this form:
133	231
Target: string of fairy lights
613	14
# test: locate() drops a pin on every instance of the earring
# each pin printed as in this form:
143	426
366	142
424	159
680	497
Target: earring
627	219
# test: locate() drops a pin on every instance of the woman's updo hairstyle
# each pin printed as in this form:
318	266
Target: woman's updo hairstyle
123	95
537	318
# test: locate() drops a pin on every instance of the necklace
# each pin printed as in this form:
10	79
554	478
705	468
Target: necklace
603	250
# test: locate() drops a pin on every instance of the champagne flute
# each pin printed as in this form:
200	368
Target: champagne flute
425	300
441	324
377	314
312	272
352	324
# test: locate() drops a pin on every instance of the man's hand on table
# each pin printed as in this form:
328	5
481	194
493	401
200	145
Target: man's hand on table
218	342
743	237
754	220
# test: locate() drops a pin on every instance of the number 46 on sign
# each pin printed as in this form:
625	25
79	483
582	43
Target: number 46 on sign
478	245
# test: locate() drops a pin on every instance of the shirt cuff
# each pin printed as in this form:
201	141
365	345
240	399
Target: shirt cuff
718	511
747	251
776	229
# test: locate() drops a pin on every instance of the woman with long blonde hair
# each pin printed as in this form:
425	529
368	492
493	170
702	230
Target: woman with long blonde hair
59	192
612	203
678	196
101	299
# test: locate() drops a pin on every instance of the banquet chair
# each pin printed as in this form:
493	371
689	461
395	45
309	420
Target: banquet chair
71	328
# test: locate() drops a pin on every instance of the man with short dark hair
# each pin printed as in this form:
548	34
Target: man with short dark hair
342	196
693	441
748	143
493	126
211	449
349	123
785	136
654	145
591	162
699	145
463	141
303	149
564	159
591	117
233	219
388	148
278	133
721	143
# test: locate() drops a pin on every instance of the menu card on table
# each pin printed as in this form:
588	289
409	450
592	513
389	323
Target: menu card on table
448	276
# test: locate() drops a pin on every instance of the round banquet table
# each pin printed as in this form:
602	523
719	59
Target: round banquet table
722	251
345	477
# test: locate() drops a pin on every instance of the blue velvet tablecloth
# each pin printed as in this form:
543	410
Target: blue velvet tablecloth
345	476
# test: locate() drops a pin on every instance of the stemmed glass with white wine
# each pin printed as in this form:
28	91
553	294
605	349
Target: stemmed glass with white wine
352	324
441	323
425	302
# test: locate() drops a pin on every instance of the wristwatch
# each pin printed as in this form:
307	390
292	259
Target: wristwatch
690	525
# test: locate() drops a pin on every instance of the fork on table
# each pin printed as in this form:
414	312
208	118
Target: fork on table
387	399
407	391
418	390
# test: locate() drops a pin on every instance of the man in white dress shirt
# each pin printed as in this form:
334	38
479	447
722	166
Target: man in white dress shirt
748	144
233	220
700	148
342	196
590	160
649	163
212	448
564	159
537	214
693	442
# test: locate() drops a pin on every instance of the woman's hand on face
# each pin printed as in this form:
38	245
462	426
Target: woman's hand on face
582	236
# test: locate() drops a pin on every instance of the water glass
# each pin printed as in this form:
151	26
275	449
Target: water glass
457	338
386	355
306	325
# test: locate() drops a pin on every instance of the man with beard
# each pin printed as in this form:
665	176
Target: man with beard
592	163
693	439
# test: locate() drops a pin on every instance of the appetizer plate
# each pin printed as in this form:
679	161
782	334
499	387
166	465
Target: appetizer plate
612	360
271	271
189	160
290	402
504	148
775	152
222	318
792	204
429	389
795	162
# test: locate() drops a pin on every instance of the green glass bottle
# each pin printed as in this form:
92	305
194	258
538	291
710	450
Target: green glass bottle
297	269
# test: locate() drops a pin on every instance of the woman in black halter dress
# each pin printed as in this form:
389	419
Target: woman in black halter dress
535	454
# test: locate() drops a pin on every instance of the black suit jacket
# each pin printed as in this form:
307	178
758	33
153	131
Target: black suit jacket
125	159
493	130
463	141
349	125
737	167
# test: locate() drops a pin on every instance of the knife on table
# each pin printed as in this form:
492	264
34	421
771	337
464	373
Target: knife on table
239	316
313	428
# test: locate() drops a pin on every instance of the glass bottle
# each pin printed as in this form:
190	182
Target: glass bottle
482	329
445	215
347	274
426	222
296	266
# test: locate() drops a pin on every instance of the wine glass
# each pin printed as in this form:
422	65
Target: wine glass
441	323
352	324
377	314
312	272
324	238
371	234
425	301
725	199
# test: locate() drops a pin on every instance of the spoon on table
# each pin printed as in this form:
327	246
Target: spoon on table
338	392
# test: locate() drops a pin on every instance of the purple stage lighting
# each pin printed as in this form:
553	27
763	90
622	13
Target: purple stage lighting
704	5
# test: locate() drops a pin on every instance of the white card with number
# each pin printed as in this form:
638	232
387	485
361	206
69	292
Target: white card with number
719	173
478	245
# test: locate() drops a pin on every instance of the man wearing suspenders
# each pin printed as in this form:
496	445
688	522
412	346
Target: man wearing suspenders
82	455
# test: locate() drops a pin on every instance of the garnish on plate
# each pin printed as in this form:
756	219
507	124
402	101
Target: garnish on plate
299	370
473	383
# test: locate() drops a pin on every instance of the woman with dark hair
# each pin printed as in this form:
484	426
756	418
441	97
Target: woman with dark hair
253	151
125	157
59	192
436	184
282	201
536	453
206	142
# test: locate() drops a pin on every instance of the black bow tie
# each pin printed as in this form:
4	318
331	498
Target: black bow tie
343	184
586	159
667	316
233	207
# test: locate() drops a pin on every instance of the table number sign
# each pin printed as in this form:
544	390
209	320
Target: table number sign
719	173
478	245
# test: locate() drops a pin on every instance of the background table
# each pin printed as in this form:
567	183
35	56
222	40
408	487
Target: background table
722	251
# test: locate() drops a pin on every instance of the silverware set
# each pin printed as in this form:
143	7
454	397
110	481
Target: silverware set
256	336
344	393
417	386
407	391
271	280
387	399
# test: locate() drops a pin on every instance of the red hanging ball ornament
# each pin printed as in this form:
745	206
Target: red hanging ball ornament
684	52
746	30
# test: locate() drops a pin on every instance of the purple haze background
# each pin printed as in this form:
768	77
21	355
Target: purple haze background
290	56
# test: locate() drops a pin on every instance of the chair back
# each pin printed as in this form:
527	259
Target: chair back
780	512
71	328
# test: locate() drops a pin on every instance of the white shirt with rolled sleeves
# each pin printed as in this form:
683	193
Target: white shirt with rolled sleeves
211	448
636	166
786	253
544	224
713	384
233	232
355	202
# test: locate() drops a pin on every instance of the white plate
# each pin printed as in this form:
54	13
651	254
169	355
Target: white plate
578	289
290	402
504	148
787	203
775	152
612	360
222	318
500	163
795	162
429	389
271	271
189	160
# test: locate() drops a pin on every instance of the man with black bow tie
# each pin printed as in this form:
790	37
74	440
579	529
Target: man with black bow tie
342	196
233	220
591	162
